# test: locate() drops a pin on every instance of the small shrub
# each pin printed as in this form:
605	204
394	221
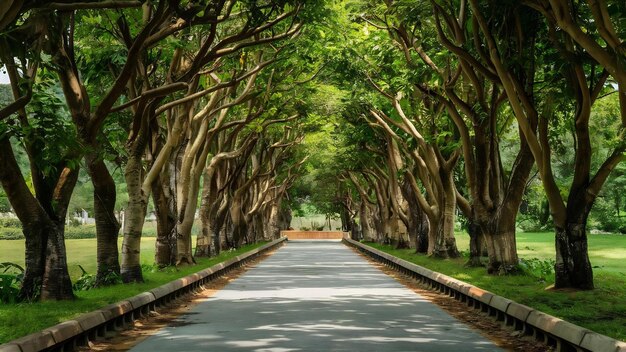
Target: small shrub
80	232
85	282
304	228
10	281
11	233
110	279
154	268
88	281
540	269
10	222
316	226
74	222
71	232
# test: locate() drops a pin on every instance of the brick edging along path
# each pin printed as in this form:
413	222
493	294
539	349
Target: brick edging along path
67	335
552	330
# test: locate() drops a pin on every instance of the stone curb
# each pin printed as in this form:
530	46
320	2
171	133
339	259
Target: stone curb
564	335
66	335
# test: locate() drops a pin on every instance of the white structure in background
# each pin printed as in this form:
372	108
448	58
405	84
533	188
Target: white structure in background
83	218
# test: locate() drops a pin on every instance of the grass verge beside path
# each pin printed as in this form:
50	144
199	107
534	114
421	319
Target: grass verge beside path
79	252
21	319
602	310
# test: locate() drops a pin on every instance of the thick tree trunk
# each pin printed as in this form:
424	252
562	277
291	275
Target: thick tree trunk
368	231
273	222
421	241
445	243
184	248
35	234
502	248
259	232
135	215
572	268
56	283
284	220
346	220
46	274
107	226
220	241
240	227
165	246
418	224
475	245
183	238
203	240
206	245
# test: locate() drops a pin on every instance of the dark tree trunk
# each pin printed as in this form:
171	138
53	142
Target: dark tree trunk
354	229
284	220
56	284
165	245
346	220
220	240
35	256
107	226
421	241
573	268
42	219
475	245
418	223
239	228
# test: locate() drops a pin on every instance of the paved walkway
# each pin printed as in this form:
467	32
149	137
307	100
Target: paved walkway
316	297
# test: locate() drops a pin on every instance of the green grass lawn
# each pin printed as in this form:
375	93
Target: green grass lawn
602	310
81	252
17	320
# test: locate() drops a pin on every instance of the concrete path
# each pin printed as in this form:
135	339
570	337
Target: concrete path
316	297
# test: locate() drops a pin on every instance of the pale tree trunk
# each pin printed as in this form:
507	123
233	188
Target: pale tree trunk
135	215
366	218
365	213
501	246
435	172
208	212
187	213
273	222
183	228
187	190
445	243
